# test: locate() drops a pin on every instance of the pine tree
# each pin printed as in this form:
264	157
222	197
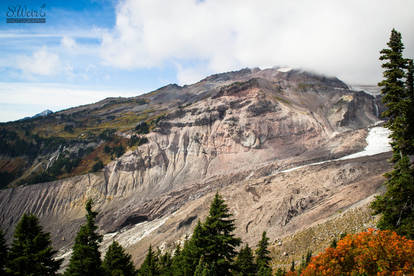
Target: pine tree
280	272
86	258
31	252
165	264
204	269
117	262
177	262
292	266
220	242
244	264
409	133
396	206
262	253
393	90
193	250
150	265
3	254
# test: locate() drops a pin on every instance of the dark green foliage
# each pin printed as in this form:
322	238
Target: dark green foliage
334	243
117	262
262	253
142	128
150	265
68	128
211	249
107	149
308	257
244	264
280	272
205	269
192	251
396	95
86	258
63	164
6	178
118	150
97	166
264	271
219	242
305	261
137	140
397	204
177	262
292	266
31	252
165	263
107	134
3	254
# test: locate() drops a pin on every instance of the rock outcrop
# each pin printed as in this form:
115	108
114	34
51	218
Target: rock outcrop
232	132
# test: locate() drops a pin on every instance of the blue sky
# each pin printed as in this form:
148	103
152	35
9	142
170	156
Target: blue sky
91	49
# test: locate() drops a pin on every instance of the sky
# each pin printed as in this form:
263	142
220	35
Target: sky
88	50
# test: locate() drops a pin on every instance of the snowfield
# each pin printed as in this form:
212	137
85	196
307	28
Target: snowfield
377	142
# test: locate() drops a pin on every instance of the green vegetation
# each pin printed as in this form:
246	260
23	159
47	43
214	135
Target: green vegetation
86	258
263	256
396	206
4	250
245	262
209	251
97	166
118	262
31	252
142	128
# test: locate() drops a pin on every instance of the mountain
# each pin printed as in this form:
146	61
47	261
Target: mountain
43	113
165	153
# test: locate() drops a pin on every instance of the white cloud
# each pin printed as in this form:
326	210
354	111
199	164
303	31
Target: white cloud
189	75
68	43
56	94
42	62
335	37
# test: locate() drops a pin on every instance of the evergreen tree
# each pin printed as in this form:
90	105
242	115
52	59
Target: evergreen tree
397	204
193	250
165	264
394	92
280	272
117	262
204	269
219	241
3	254
31	252
86	258
263	254
177	262
244	264
150	265
292	266
264	271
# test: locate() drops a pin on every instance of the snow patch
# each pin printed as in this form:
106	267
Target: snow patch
378	141
284	69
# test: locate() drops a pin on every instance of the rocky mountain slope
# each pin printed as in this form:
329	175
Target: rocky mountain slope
234	132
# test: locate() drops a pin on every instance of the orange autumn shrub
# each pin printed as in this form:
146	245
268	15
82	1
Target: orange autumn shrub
366	253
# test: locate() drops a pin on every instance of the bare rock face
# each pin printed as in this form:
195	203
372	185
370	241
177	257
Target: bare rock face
230	132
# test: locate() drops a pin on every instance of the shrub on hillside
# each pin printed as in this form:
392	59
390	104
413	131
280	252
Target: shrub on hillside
366	253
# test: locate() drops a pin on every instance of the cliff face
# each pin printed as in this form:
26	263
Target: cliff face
229	131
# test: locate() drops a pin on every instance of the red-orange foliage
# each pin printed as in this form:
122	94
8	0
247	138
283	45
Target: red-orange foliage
370	253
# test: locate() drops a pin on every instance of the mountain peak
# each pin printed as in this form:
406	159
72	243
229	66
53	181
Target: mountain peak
44	113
